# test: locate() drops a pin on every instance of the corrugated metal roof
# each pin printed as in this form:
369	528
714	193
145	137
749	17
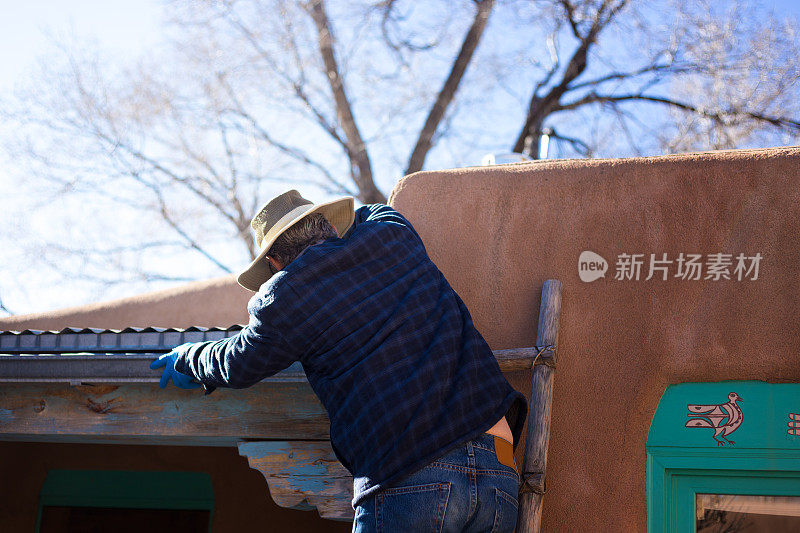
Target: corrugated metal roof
105	341
90	355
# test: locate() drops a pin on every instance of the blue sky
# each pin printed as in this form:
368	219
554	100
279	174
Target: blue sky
124	26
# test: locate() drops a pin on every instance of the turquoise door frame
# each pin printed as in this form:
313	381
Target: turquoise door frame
700	443
127	489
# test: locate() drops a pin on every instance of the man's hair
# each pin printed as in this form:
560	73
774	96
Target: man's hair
310	230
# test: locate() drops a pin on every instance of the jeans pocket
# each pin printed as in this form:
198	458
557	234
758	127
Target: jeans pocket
505	514
413	508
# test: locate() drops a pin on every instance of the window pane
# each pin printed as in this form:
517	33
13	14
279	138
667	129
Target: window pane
720	513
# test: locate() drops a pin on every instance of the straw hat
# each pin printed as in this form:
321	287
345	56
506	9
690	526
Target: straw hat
280	214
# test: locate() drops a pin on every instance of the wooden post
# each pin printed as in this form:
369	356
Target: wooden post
534	463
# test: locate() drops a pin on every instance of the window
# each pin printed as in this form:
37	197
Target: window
92	501
724	455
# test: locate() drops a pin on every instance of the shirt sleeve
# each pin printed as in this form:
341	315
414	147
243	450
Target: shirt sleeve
256	352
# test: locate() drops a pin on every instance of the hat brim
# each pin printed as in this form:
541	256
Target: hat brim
340	213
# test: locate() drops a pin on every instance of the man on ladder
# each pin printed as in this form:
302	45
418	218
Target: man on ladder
420	413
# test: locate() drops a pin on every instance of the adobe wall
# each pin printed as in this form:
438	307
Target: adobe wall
215	302
498	232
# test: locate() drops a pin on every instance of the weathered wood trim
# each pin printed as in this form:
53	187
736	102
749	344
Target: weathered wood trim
516	359
143	413
538	436
302	475
283	407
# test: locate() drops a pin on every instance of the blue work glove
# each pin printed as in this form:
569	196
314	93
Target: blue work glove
168	362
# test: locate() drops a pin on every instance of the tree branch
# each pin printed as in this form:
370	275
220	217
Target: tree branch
448	91
580	146
569	10
388	8
191	242
296	153
297	85
360	165
165	215
5	309
652	68
723	117
541	107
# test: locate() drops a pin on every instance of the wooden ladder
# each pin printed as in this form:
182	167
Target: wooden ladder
534	464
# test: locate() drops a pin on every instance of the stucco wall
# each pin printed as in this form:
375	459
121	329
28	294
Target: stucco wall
498	232
215	302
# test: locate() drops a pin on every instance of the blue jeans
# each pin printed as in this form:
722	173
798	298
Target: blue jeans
468	489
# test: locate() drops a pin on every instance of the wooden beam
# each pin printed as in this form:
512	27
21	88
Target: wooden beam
538	437
516	359
144	413
303	475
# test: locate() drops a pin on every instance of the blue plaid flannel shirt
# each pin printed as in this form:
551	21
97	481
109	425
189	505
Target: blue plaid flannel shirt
386	344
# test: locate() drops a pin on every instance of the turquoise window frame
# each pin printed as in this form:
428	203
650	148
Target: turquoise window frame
132	489
683	462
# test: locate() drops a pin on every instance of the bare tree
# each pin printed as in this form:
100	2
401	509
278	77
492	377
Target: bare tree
745	93
344	129
146	165
721	80
248	94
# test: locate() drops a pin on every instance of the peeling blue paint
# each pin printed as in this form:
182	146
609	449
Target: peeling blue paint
310	478
142	412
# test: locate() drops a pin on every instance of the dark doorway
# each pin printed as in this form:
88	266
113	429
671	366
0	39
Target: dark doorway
62	519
